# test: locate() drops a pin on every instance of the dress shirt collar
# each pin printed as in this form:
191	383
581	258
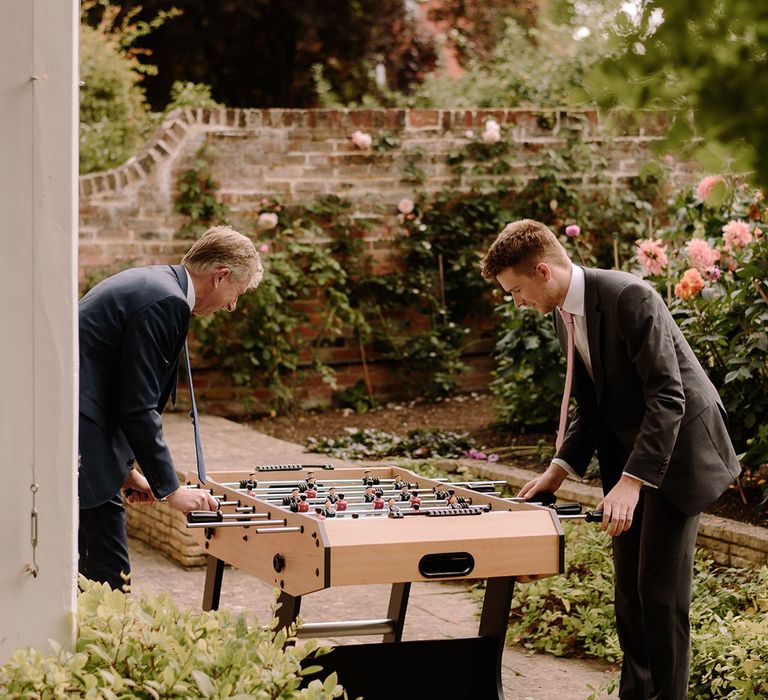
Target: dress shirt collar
190	290
574	299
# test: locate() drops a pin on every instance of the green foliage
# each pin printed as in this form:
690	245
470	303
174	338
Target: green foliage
725	318
302	305
149	648
113	113
186	94
370	443
706	66
528	381
196	198
572	615
538	66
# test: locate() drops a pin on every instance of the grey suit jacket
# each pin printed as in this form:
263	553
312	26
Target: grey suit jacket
651	410
132	328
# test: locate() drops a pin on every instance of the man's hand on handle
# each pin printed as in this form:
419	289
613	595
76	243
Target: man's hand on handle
549	481
187	500
619	505
137	489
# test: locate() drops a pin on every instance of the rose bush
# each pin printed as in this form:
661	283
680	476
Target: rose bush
710	262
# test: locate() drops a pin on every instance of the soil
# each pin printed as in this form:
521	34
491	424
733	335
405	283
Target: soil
474	415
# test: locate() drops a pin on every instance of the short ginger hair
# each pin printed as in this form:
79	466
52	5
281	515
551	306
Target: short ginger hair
522	245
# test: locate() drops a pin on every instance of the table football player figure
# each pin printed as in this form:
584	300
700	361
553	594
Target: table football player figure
303	505
441	492
368	480
329	509
378	502
311	491
405	494
415	500
332	497
392	506
341	504
319	514
369	496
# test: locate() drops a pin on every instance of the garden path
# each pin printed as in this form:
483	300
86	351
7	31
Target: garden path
231	446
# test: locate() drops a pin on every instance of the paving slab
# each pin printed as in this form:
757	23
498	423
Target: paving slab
435	610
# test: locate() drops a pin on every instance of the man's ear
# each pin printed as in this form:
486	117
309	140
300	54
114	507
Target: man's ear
544	271
220	275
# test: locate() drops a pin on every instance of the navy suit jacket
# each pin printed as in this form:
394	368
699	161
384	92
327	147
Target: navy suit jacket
651	410
132	330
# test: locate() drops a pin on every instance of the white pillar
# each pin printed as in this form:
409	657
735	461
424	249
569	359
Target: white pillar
38	320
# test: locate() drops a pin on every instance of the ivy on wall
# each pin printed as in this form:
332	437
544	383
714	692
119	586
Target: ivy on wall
433	308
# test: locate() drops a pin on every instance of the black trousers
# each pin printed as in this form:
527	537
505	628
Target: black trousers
103	543
654	570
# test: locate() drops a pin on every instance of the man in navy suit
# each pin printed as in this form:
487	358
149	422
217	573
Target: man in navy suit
132	329
648	409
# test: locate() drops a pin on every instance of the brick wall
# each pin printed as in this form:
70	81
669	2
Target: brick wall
127	214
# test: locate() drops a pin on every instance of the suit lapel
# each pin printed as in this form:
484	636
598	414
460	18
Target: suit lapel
593	318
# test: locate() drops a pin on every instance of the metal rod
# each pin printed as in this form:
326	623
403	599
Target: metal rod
346	628
265	530
232	523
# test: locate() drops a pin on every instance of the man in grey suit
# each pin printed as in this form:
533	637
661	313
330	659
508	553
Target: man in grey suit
132	328
648	409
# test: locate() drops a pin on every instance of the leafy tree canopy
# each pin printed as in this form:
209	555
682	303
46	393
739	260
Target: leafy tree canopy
260	53
706	63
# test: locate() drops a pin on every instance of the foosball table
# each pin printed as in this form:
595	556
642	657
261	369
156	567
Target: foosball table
303	528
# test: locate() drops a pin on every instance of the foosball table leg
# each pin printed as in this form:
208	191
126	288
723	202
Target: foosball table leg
290	607
494	618
214	572
398	604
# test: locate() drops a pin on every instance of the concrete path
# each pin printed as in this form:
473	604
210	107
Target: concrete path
230	446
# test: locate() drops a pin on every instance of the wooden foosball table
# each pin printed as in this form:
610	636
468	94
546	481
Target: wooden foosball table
303	528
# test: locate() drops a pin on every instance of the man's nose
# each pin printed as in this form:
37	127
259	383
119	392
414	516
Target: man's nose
231	306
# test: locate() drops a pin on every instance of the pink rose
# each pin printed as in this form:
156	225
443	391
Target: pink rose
361	140
706	185
572	230
736	234
651	255
405	205
702	255
263	248
492	132
266	221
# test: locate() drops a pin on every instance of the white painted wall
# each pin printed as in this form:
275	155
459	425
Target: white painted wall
38	321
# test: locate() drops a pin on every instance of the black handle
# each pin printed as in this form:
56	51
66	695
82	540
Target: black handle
594	516
568	508
545	498
205	516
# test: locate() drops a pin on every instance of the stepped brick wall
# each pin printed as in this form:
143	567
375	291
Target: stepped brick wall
127	214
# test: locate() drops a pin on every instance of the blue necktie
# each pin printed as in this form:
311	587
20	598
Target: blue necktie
195	419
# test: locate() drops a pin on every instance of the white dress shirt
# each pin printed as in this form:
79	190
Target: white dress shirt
574	304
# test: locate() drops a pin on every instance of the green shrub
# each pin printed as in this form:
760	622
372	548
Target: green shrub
148	648
572	615
370	443
113	112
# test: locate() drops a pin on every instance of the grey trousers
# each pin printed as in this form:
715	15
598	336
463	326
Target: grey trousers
653	561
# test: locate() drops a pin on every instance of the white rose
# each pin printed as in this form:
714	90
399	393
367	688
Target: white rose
266	221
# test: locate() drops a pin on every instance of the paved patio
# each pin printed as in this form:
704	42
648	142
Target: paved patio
436	610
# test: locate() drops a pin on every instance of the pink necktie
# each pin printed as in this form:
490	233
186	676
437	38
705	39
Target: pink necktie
568	320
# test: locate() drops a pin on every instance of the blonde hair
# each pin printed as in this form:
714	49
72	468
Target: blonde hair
522	245
222	246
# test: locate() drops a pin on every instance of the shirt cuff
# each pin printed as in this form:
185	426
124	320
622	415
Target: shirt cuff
642	481
562	463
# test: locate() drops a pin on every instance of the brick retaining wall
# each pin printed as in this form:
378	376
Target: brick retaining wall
127	214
